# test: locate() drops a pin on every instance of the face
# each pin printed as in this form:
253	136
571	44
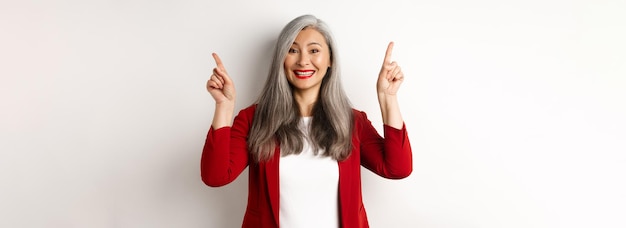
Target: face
307	61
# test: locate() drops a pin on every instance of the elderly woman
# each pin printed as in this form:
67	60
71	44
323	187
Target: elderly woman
302	140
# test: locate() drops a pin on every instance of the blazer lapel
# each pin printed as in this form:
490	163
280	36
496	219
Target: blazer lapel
273	187
344	192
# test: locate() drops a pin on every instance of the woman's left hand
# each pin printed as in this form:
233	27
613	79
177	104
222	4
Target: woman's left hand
390	76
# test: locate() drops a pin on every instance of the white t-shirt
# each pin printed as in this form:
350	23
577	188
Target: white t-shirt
309	188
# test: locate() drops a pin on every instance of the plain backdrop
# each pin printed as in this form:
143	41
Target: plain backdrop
515	109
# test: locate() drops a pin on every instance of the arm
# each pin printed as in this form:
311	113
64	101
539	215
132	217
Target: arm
390	157
389	80
222	89
224	155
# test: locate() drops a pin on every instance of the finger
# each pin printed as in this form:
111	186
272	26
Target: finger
218	62
400	77
217	81
218	72
211	84
222	76
388	53
396	72
391	70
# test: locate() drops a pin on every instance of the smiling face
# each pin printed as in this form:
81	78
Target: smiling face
307	61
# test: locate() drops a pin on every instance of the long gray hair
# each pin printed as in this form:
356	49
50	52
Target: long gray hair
277	114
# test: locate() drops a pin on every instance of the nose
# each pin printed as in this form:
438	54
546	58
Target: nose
303	60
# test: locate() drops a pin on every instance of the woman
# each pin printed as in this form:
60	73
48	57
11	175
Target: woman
303	142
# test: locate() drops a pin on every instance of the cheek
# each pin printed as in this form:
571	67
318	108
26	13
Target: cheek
285	66
288	62
321	61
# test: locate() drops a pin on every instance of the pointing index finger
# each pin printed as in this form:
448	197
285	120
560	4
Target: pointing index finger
218	61
388	53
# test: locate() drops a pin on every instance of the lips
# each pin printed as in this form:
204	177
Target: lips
303	74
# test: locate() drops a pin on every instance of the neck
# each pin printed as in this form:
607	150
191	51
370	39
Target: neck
306	100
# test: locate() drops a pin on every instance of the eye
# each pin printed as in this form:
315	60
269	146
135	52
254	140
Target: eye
292	50
315	50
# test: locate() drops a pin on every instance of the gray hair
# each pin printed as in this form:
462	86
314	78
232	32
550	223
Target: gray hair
277	115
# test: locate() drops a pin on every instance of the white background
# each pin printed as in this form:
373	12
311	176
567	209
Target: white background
515	109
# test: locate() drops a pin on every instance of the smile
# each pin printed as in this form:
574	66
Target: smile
303	74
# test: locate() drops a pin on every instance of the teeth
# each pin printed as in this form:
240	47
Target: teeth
302	73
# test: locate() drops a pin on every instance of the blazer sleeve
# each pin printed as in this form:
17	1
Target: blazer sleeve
225	153
390	157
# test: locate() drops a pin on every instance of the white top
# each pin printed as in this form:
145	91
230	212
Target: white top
309	188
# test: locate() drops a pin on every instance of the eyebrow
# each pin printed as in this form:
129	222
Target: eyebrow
309	44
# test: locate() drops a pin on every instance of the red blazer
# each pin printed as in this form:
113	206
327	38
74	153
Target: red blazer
225	156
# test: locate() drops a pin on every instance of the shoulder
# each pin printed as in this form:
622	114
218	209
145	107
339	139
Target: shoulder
248	110
360	117
246	114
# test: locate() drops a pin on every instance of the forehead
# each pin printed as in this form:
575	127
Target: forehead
309	36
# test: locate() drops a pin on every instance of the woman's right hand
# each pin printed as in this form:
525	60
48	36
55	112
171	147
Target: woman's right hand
220	86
